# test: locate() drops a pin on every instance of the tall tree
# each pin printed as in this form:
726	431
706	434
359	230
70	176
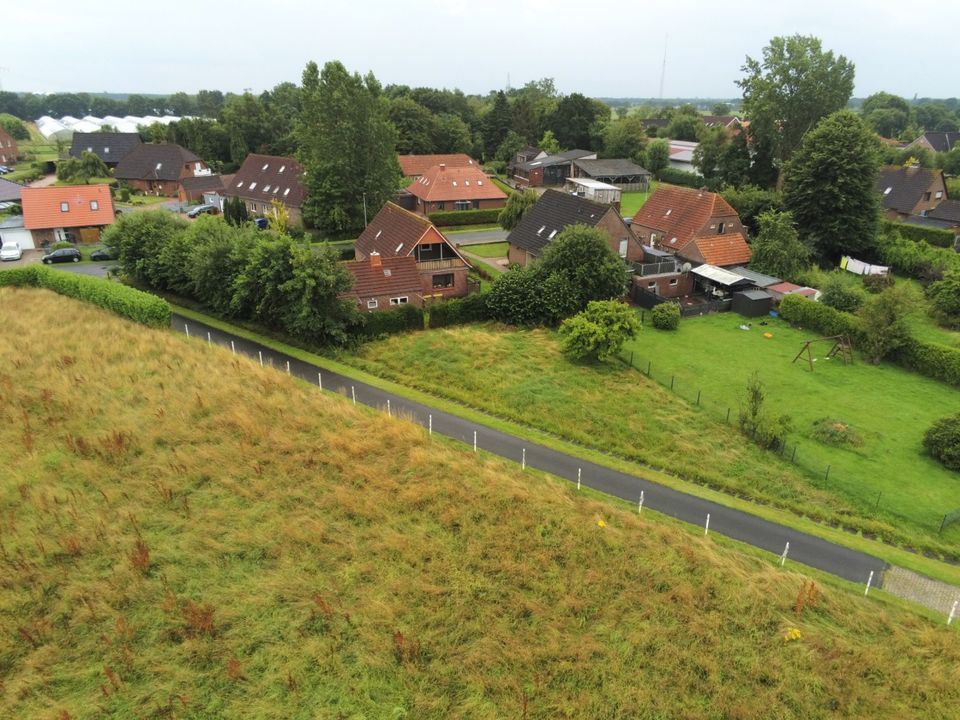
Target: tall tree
777	249
249	126
887	114
347	148
416	126
496	124
624	138
573	120
788	91
830	186
452	135
657	156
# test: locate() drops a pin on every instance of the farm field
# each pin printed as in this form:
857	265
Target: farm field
522	376
188	543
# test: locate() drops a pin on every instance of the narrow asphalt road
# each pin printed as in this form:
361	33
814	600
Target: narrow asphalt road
477	237
807	549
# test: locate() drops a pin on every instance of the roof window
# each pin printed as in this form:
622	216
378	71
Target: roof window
888	191
399	247
550	236
89	149
379	233
282	168
253	185
159	165
454	183
286	192
542	228
106	151
266	189
466	182
240	184
64	207
670	210
276	189
387	272
479	182
265	166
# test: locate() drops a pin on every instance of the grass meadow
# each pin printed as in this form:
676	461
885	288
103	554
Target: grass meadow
184	534
886	486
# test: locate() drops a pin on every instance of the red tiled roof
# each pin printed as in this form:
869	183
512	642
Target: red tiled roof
449	184
392	276
417	165
393	231
260	179
42	207
722	250
680	213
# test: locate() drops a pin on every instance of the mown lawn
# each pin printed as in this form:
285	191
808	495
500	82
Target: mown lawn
487	250
204	538
889	408
522	376
630	202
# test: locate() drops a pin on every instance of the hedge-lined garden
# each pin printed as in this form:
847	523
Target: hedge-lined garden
129	302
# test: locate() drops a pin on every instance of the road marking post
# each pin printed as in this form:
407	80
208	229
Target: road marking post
353	393
430	424
523	460
706	527
783	556
233	349
640	504
869	582
474	440
389	414
579	473
320	381
209	340
260	353
953	612
186	329
288	367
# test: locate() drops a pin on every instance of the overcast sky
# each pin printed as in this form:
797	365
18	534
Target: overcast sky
610	48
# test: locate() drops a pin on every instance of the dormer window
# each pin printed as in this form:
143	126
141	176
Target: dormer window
720	228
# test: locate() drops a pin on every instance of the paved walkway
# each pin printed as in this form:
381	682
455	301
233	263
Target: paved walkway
772	537
920	589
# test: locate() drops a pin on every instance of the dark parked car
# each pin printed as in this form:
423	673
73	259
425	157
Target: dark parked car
201	209
4	169
62	255
261	223
103	254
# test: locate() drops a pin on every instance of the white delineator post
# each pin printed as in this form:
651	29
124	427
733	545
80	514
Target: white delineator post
260	353
186	329
869	582
474	440
640	504
353	393
233	349
430	424
953	612
389	414
523	460
579	473
209	340
783	556
320	381
288	367
706	527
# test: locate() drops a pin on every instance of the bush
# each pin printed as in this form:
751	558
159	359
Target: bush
816	316
916	259
464	217
944	297
126	301
839	294
878	283
123	194
680	177
61	244
666	316
942	441
599	332
930	359
831	431
472	308
929	235
395	320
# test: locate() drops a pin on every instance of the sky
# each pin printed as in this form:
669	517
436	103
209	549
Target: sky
611	48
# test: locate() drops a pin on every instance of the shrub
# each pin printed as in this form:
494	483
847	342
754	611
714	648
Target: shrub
831	431
666	316
916	259
878	283
680	177
944	296
123	194
884	322
464	217
930	359
816	316
929	235
768	432
515	298
126	301
599	332
395	320
472	308
942	441
839	294
61	244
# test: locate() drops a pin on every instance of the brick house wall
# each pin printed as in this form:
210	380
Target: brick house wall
261	207
425	208
457	289
9	153
518	256
383	301
613	226
668	285
933	196
169	188
534	178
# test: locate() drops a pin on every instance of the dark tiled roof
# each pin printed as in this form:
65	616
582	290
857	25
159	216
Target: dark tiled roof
721	120
9	191
148	161
417	165
610	168
391	276
393	231
927	221
204	183
901	188
263	178
111	147
947	210
552	214
942	141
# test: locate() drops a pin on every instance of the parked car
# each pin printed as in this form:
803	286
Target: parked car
261	223
202	209
103	254
62	255
11	251
4	169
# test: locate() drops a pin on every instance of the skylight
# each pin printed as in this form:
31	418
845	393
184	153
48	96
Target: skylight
282	168
265	166
399	247
542	228
159	165
253	185
266	189
668	211
286	192
276	189
465	182
888	191
240	184
379	233
550	236
454	183
479	182
387	272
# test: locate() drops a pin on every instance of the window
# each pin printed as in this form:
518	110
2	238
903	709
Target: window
266	189
623	248
673	282
266	165
64	207
439	206
94	205
926	196
443	281
720	228
402	300
939	194
287	192
476	204
106	151
462	204
651	286
653	238
372	304
282	168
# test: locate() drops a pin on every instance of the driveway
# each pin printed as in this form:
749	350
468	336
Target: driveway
29	258
477	237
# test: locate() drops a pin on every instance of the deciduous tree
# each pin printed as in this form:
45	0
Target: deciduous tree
599	332
517	205
777	249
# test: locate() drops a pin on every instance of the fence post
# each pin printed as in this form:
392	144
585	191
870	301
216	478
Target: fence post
672	378
698	396
648	368
877	506
728	416
826	476
794	455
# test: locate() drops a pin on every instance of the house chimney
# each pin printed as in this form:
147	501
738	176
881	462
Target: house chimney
375	259
443	166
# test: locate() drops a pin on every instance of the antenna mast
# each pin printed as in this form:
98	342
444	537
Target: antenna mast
663	71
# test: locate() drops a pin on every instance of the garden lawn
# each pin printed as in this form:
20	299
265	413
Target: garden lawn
630	202
521	375
487	250
888	476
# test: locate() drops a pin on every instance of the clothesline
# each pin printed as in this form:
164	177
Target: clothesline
858	267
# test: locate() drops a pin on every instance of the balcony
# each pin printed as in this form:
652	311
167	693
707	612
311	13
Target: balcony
441	264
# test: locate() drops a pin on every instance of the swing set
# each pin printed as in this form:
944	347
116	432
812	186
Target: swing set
841	347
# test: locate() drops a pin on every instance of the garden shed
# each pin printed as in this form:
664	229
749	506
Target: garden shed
752	303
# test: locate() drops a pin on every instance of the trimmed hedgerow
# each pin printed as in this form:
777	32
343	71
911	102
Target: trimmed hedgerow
472	308
822	318
134	304
464	217
395	320
930	235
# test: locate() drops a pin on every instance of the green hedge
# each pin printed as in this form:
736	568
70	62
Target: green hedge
464	217
680	177
126	301
930	235
395	320
939	362
472	308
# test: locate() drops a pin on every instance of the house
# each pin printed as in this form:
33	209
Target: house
524	155
695	225
945	216
381	283
549	170
264	178
395	232
906	191
599	192
111	147
443	188
726	121
940	142
413	166
207	189
158	169
625	174
49	213
9	193
8	148
681	155
554	212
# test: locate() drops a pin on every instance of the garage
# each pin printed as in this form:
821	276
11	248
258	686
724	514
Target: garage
12	230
